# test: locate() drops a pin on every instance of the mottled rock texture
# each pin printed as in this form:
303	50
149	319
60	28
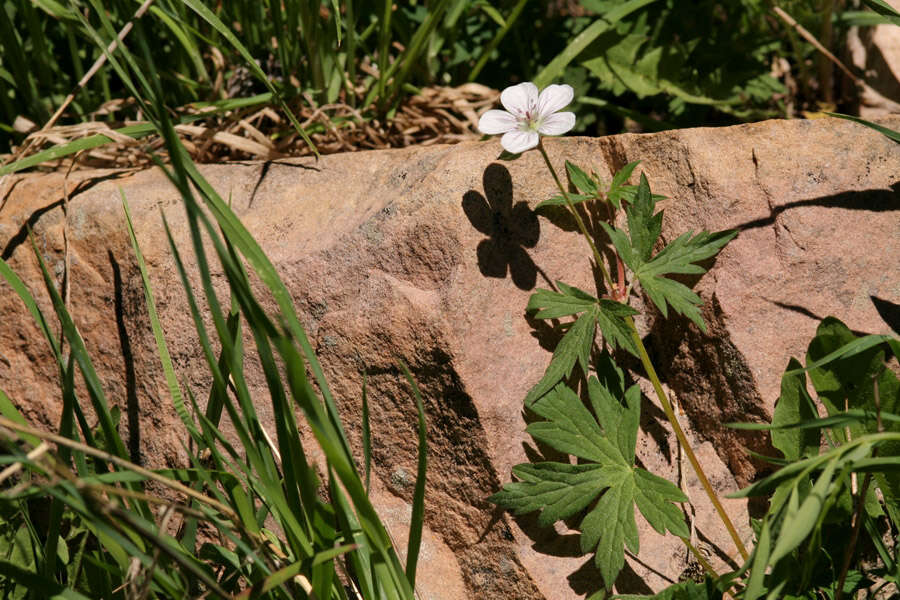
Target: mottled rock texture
429	255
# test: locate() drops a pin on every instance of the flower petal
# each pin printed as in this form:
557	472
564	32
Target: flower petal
557	123
554	98
518	99
518	141
496	121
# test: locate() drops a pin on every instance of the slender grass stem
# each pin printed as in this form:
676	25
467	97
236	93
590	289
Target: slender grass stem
598	258
166	481
679	433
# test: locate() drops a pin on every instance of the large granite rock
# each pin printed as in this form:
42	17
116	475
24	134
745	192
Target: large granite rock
429	255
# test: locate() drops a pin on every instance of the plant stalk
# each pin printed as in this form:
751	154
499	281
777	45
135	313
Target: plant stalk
598	258
648	366
679	433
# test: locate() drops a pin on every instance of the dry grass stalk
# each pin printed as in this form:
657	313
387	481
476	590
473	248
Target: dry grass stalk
439	115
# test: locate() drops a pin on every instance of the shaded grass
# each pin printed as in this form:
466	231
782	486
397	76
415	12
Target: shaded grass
275	535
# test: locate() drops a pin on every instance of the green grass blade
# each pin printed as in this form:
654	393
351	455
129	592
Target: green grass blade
556	66
883	8
488	50
15	59
158	336
207	15
46	588
21	290
890	133
857	346
417	520
63	150
185	39
103	46
366	433
76	344
384	39
417	47
8	409
336	11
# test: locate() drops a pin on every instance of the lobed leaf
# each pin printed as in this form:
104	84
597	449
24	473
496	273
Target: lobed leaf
559	490
575	346
559	200
552	305
679	257
604	444
643	225
581	180
570	428
611	321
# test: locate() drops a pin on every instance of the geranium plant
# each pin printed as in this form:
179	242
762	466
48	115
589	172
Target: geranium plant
585	410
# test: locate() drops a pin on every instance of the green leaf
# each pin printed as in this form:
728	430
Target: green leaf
557	66
43	586
623	175
559	490
643	225
628	193
654	497
561	201
802	517
794	406
417	518
885	9
679	257
611	320
604	445
619	422
574	347
581	180
570	428
619	190
622	244
686	590
756	581
611	525
552	305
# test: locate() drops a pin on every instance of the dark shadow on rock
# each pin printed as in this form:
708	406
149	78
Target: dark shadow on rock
9	190
22	235
715	385
545	331
511	228
818	318
889	312
267	166
132	405
879	200
885	83
654	423
629	582
586	579
717	550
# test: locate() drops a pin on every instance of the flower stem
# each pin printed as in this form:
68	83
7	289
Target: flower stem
645	360
679	433
598	258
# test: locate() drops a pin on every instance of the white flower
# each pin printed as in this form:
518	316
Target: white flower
528	115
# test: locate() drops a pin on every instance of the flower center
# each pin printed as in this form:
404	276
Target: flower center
528	119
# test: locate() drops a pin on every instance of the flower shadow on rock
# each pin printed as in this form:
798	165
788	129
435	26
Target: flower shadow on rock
510	229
